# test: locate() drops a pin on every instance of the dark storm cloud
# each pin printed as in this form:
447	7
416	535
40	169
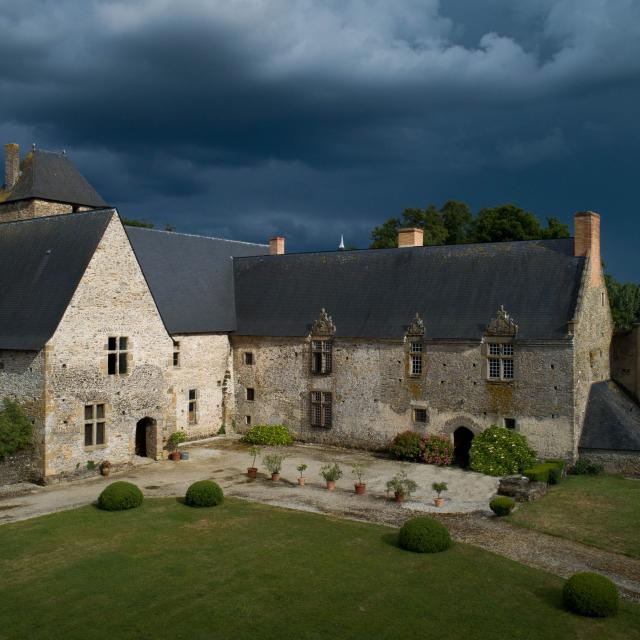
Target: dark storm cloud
249	117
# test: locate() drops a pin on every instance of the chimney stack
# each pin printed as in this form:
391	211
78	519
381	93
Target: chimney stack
587	243
411	237
276	246
11	165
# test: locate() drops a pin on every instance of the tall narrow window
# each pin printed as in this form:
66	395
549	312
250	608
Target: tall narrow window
176	353
251	393
94	425
321	351
193	406
248	357
415	355
320	409
118	351
500	361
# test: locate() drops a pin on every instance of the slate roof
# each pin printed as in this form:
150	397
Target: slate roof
456	289
612	420
190	277
52	176
41	263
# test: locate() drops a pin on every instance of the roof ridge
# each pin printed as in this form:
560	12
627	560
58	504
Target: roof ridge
196	235
58	215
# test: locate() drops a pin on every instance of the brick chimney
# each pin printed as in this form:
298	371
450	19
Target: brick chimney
411	237
11	165
276	246
587	243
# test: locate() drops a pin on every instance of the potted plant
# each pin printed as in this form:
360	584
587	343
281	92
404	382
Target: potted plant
331	473
252	471
401	486
105	468
301	468
358	470
175	439
273	462
439	487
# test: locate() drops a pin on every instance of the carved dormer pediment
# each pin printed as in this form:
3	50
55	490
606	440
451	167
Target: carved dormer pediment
323	326
416	326
502	324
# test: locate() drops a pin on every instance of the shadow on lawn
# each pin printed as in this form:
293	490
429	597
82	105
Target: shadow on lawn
391	539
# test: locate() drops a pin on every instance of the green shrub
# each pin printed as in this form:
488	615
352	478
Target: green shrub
584	467
424	535
406	446
502	505
539	472
16	431
498	451
119	496
555	475
268	435
590	594
204	493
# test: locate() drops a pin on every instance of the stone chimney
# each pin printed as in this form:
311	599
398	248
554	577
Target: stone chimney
11	165
411	237
587	243
276	246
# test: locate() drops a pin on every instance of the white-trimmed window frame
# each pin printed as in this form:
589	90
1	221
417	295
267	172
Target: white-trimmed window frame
500	356
416	363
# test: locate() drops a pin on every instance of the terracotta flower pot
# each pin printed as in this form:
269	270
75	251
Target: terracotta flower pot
399	497
439	502
331	485
174	455
275	477
301	481
360	488
252	472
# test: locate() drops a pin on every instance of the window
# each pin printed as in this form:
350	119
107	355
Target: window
500	361
510	423
251	394
193	406
415	354
94	425
321	351
419	415
320	409
118	351
247	419
248	357
176	353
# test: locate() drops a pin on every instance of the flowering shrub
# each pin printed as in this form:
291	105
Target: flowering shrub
406	446
436	449
500	452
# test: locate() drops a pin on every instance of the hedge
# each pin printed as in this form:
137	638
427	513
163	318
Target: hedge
204	493
590	594
120	496
268	435
424	535
502	505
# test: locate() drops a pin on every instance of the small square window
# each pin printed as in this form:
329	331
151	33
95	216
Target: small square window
248	357
251	394
510	423
247	419
420	415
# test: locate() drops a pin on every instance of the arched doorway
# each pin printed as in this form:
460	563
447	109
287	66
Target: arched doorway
462	438
146	438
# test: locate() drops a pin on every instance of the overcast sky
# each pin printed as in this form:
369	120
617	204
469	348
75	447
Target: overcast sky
310	119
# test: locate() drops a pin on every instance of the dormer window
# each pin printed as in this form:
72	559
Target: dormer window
415	355
321	352
414	339
500	361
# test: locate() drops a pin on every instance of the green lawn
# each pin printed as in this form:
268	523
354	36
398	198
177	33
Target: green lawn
245	570
602	511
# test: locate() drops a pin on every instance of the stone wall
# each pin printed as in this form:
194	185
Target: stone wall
374	397
204	365
28	209
112	299
627	462
20	466
625	360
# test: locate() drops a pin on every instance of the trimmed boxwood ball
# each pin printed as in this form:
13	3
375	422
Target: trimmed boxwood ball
502	505
119	496
590	594
424	535
204	493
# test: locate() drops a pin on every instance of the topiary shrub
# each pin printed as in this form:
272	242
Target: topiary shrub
406	446
424	535
436	449
538	473
119	496
590	594
502	505
268	435
204	493
498	451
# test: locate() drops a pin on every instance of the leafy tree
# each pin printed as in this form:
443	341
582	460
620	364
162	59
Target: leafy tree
132	222
625	302
16	431
457	218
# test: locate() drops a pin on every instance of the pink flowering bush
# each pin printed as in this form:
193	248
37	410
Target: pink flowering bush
436	449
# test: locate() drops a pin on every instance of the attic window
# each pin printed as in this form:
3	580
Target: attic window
117	357
500	361
415	357
176	353
321	356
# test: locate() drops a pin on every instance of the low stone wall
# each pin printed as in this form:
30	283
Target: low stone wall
627	462
18	467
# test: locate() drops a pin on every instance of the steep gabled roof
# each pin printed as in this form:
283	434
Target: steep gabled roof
190	277
41	263
456	290
52	176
